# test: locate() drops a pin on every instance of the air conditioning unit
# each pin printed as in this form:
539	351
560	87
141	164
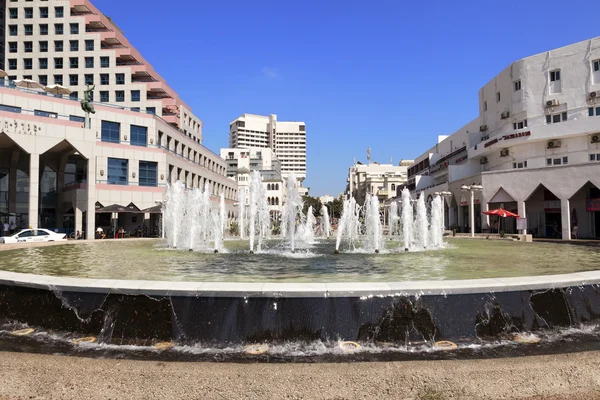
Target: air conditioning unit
593	94
483	160
552	103
483	128
554	144
505	115
504	153
595	139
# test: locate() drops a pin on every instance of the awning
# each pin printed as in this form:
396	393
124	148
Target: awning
153	210
115	208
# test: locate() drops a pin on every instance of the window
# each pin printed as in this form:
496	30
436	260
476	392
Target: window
497	97
59	12
135	95
43	79
485	106
10	108
74	96
13	30
120	79
43	29
151	110
104	96
12	63
76	118
111	132
12	47
119	96
43	46
118	171
557	161
135	109
104	79
596	65
595	157
43	12
74	80
58	45
556	118
48	114
74	28
89	45
89	62
27	63
28	12
58	63
565	160
591	111
520	124
43	63
138	135
555	75
28	30
74	45
89	79
58	29
148	172
74	62
28	47
58	79
13	13
104	62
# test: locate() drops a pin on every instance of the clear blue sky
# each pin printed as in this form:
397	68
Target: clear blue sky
391	75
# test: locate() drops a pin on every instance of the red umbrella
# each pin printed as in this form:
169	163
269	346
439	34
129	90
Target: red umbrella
501	212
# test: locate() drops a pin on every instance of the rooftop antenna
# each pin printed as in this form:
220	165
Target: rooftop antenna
368	155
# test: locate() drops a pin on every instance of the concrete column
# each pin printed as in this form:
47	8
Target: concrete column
485	219
78	219
60	185
522	211
90	229
451	216
565	216
461	218
12	182
34	189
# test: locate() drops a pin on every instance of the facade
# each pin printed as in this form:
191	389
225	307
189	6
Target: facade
54	172
535	148
240	164
286	139
384	180
326	199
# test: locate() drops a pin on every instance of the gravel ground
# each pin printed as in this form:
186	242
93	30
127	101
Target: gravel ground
34	376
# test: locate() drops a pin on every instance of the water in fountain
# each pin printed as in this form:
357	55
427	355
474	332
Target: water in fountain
242	212
291	210
306	231
407	219
373	230
437	221
349	226
191	220
259	220
393	219
222	213
325	224
422	223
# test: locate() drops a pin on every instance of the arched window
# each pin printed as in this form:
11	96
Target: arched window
277	186
276	201
268	186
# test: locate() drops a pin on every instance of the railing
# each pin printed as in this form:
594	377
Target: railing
106	182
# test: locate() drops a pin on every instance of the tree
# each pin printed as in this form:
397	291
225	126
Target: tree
337	206
314	202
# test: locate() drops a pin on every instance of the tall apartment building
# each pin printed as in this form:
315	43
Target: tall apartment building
534	148
286	139
54	172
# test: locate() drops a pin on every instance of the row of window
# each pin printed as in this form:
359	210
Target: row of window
556	118
591	111
44	29
13	47
118	172
557	161
594	157
59	12
111	133
58	64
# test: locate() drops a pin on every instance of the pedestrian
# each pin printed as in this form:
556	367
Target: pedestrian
13	227
6	229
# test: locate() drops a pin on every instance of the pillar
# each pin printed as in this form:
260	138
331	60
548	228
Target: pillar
12	182
34	189
485	219
565	216
522	211
60	185
90	229
461	218
451	217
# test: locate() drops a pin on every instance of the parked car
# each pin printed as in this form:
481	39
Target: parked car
34	235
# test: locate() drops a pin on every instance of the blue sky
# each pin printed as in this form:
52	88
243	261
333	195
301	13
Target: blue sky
390	75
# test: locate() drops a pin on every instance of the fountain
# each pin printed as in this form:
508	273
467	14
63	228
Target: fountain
242	213
422	224
325	224
436	233
292	209
306	228
373	230
393	219
407	219
348	228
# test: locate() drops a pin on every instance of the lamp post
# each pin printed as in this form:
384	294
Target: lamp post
473	188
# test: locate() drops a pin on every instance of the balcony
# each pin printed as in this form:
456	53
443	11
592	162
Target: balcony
96	26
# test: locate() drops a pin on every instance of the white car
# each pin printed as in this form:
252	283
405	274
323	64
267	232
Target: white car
34	235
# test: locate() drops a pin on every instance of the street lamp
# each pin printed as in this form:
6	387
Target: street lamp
473	188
